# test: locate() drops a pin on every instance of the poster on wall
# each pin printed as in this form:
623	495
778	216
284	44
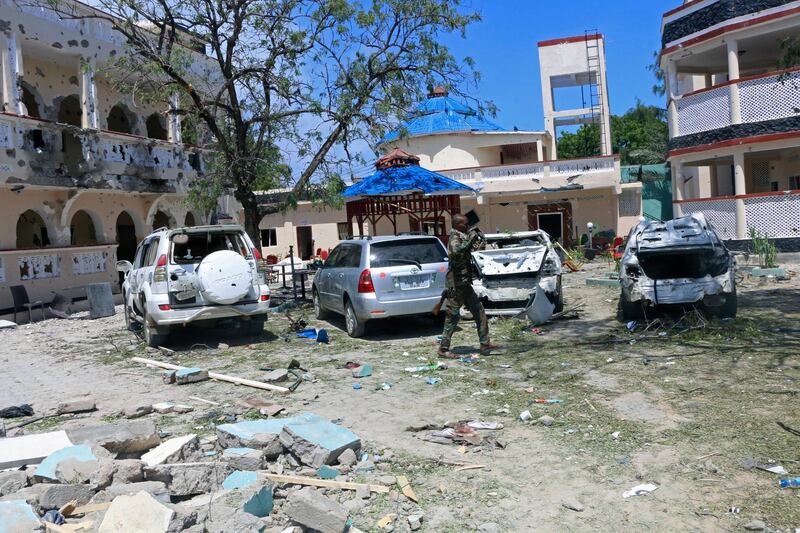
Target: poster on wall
39	266
2	271
89	262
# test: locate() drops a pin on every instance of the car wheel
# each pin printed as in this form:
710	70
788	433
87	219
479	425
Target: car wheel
127	313
730	307
355	327
319	312
152	336
559	305
255	326
629	310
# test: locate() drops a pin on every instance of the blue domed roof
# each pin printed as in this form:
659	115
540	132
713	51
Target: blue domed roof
441	114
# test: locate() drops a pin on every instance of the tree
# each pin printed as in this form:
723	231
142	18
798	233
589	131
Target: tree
309	77
640	137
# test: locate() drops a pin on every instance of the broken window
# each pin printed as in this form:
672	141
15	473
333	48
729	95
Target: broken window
82	230
691	263
155	127
31	231
120	120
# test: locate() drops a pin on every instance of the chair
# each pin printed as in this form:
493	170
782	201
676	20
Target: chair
21	301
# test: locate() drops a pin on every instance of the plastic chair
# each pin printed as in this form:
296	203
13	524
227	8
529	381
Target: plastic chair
21	301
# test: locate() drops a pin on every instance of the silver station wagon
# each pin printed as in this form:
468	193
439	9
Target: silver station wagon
380	277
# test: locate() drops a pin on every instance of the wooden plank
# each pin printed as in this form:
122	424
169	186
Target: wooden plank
90	508
326	483
68	507
405	486
198	399
214	375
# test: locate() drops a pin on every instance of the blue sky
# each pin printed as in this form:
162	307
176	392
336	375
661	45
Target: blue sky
503	45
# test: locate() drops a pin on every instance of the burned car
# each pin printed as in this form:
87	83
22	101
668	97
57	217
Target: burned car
508	271
681	261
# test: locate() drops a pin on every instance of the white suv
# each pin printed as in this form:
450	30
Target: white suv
184	275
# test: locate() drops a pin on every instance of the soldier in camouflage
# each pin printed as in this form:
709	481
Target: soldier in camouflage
458	285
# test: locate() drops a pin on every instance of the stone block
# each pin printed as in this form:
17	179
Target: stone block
168	376
73	464
76	406
31	449
258	434
12	481
190	375
277	375
327	472
244	458
313	510
16	516
126	437
182	408
260	502
188	479
140	512
175	450
155	488
317	441
163	408
137	411
101	300
54	496
347	458
128	471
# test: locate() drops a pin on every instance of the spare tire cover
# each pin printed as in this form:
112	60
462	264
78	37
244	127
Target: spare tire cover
225	277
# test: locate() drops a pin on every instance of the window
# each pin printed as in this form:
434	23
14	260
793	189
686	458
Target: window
140	253
152	251
269	237
350	256
630	203
333	259
406	252
199	245
343	230
773	186
433	227
794	183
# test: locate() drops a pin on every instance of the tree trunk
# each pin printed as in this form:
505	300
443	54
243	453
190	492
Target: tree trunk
252	218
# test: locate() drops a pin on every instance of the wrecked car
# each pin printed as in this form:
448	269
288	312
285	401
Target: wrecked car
508	271
681	261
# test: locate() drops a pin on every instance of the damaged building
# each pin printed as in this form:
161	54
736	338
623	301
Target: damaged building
85	170
734	129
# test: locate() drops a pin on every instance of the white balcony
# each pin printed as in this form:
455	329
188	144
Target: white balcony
761	98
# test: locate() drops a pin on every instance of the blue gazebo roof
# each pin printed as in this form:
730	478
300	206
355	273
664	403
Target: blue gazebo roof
441	114
402	180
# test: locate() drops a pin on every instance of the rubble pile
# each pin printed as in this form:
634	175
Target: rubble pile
273	475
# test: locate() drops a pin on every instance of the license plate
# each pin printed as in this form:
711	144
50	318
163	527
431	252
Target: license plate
415	282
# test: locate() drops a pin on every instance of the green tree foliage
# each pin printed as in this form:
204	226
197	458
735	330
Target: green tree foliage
305	77
639	136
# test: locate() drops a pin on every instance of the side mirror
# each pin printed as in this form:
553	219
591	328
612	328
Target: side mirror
124	266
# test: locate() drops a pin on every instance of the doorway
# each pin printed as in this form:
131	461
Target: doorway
555	219
305	243
126	240
69	112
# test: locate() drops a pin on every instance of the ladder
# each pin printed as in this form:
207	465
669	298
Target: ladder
596	97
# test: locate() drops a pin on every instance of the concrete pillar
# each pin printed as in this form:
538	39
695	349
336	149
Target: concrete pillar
11	58
539	151
88	94
740	189
677	187
174	125
673	89
733	74
709	80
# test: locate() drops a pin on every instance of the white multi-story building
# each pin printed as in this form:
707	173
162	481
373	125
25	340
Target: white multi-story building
734	117
85	172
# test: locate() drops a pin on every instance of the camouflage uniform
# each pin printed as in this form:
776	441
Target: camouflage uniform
458	286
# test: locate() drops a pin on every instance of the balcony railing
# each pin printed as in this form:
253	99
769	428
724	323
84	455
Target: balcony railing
44	146
534	171
761	98
776	214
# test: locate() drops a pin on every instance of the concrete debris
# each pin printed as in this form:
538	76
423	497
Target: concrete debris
182	408
244	458
178	449
137	411
188	479
157	489
168	376
31	449
76	406
163	408
259	434
317	441
415	521
7	324
755	525
347	458
12	481
276	376
572	505
18	516
53	496
260	502
239	480
546	420
73	464
140	512
128	471
129	437
308	507
190	375
489	527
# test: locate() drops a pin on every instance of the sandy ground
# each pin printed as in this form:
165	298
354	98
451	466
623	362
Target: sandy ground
690	406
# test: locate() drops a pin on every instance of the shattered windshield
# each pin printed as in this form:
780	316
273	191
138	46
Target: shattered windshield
194	247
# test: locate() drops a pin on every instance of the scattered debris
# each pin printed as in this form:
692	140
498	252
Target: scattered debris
405	486
16	411
31	449
215	376
525	416
433	381
140	512
362	371
76	406
426	368
640	490
572	505
546	420
312	509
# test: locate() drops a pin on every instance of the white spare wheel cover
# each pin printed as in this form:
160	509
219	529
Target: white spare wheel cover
224	277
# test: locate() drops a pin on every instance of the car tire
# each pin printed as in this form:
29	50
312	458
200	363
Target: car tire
319	312
730	307
255	326
127	313
629	310
152	336
355	327
559	305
